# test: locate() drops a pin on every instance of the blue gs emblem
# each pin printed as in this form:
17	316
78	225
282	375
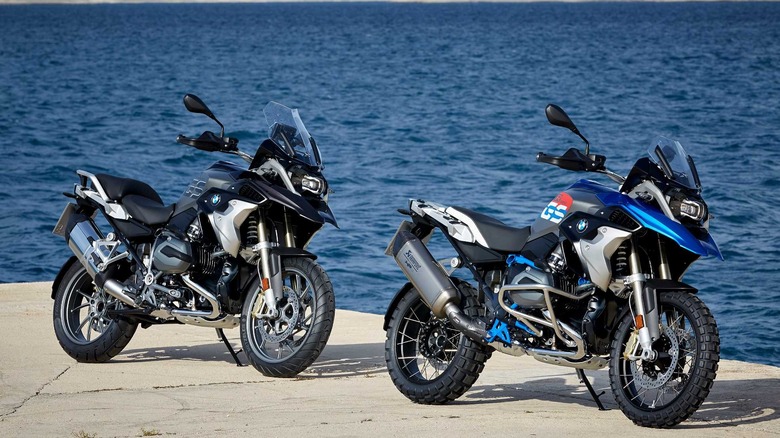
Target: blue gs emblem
582	225
215	199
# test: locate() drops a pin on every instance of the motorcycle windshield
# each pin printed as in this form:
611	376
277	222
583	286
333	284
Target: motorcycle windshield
670	153
286	129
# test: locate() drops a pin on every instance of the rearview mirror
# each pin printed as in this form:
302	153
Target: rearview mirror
195	105
558	117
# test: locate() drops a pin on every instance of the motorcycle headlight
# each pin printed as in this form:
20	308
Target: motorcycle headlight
313	184
693	209
685	207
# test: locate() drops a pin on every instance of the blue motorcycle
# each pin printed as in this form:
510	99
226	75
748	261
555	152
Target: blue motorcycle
594	282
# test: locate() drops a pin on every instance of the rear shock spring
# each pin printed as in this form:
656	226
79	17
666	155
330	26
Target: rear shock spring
621	260
251	230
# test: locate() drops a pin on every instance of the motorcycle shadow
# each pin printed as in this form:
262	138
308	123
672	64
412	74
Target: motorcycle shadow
738	402
336	361
216	352
352	360
552	389
730	403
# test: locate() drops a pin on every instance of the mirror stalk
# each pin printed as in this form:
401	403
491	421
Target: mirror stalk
587	143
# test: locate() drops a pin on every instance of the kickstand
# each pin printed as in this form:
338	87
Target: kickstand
230	347
583	379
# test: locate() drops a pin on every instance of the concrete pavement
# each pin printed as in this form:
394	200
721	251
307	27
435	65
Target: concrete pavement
181	381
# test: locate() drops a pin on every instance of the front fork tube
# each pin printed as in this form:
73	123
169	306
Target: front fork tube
271	274
645	307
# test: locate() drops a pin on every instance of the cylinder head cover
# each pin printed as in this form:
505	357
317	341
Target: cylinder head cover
171	254
521	274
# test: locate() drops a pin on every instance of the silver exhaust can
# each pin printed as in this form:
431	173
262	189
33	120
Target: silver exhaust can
427	276
434	285
80	241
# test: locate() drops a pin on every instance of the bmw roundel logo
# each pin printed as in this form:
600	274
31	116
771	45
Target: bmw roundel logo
215	199
582	225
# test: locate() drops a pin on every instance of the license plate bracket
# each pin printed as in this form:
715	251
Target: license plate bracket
62	223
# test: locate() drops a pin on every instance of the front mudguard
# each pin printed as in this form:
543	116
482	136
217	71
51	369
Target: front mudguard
654	287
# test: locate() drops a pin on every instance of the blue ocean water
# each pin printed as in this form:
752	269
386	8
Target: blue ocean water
443	102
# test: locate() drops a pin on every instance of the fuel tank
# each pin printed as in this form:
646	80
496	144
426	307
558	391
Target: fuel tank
219	175
581	196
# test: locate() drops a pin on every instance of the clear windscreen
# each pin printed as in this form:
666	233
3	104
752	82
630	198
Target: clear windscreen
670	155
287	130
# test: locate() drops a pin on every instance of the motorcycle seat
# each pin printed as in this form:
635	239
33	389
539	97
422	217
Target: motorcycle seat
499	236
140	199
117	188
147	210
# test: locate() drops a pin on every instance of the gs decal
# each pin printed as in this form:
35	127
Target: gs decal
557	208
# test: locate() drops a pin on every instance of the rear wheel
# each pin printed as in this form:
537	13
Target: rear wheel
665	392
81	321
428	360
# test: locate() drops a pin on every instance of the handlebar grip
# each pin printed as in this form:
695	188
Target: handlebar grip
204	143
544	158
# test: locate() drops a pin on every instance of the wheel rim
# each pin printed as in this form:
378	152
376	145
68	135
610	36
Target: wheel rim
277	340
655	385
425	346
84	310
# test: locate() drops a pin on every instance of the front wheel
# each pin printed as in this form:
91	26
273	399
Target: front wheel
286	345
429	361
665	392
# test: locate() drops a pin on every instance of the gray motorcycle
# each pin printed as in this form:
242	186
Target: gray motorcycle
231	252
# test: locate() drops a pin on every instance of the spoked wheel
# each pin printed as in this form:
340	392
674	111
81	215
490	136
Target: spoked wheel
287	344
429	361
81	321
665	392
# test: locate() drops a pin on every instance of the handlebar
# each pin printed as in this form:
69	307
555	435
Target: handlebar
210	142
575	160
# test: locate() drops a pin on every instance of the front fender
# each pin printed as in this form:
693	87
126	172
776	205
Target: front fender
286	251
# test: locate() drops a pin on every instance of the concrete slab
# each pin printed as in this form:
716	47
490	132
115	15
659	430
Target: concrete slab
180	380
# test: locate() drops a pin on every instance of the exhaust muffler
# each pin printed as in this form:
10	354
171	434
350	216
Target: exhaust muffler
434	285
118	291
80	236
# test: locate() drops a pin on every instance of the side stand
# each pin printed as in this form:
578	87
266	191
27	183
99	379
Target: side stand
230	347
583	379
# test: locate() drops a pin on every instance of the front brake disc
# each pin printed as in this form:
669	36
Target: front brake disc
280	328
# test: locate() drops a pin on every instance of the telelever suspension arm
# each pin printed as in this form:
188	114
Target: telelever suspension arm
645	306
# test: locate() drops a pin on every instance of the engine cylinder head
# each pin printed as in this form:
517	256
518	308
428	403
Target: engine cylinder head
172	255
